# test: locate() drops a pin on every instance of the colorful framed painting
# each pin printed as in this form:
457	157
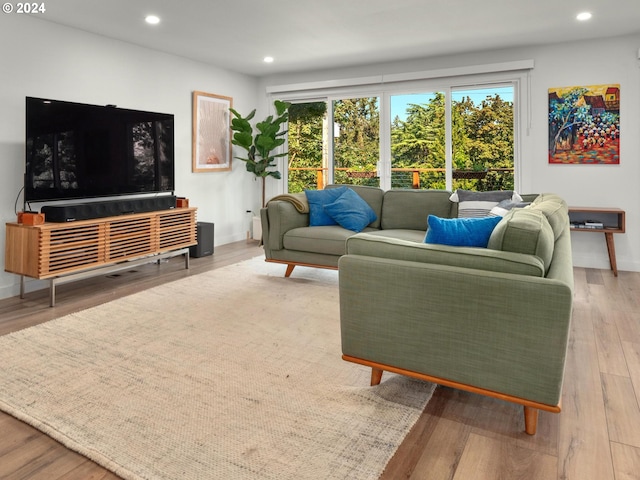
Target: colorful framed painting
211	132
584	125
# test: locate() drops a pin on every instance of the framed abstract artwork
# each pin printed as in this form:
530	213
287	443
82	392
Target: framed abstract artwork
584	125
211	132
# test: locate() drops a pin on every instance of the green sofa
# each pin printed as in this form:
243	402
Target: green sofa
490	320
401	214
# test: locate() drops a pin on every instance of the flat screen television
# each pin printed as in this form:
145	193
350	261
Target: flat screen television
75	150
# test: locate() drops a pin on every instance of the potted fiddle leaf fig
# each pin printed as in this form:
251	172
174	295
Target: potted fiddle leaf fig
261	147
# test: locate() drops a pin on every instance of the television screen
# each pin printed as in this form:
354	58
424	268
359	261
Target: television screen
75	150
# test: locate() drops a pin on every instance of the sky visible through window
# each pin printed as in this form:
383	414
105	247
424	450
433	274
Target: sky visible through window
399	103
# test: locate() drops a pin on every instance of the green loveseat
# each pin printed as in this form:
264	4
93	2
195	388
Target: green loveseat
490	320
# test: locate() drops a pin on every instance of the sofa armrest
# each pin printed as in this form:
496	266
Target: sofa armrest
277	218
468	257
501	332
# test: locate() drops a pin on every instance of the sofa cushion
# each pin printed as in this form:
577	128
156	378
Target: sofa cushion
351	211
460	232
317	199
328	239
479	204
543	197
400	233
408	209
525	231
555	209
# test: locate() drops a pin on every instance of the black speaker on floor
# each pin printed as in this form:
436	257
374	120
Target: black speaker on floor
108	208
204	234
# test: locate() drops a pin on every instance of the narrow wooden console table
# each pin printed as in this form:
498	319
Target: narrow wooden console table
62	252
603	220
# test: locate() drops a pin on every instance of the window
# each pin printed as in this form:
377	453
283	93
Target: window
352	155
458	133
483	138
418	146
356	141
308	154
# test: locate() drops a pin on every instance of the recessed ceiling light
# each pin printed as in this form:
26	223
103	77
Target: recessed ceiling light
152	19
268	59
584	16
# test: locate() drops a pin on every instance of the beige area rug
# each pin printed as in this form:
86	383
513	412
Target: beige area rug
231	374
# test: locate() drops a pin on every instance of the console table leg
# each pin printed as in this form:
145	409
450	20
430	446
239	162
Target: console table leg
186	260
611	249
21	286
52	293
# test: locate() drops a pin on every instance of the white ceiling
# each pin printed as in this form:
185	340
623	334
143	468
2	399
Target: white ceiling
307	35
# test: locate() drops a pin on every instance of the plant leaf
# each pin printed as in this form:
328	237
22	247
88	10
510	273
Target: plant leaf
281	107
242	139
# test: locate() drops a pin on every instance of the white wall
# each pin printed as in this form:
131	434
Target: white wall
613	60
42	59
48	60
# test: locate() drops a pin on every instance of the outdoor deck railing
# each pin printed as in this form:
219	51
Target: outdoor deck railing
414	173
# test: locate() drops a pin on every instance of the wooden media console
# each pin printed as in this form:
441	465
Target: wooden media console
63	252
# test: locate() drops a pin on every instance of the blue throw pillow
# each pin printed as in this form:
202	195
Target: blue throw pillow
460	232
317	199
350	211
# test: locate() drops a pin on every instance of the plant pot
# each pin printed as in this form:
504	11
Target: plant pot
256	228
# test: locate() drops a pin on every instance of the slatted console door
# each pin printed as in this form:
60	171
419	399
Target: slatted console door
69	251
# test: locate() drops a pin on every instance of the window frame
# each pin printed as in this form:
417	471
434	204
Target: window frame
515	74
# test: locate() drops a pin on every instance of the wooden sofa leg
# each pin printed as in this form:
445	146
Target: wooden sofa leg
376	376
290	268
531	420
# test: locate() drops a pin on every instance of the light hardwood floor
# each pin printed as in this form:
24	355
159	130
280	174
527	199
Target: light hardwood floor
460	436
